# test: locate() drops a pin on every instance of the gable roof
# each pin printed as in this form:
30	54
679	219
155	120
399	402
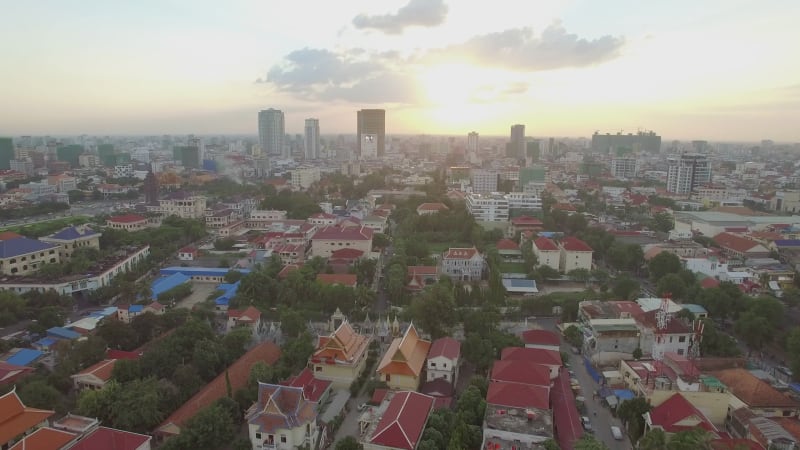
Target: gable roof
280	408
526	221
104	438
518	395
21	246
537	355
738	243
238	373
251	314
45	438
677	414
72	233
506	244
16	418
753	391
460	253
520	371
343	345
402	424
545	244
127	218
446	347
432	207
541	337
355	233
344	279
11	372
102	370
347	253
573	244
406	355
313	388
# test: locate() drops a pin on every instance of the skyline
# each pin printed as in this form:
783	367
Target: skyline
717	71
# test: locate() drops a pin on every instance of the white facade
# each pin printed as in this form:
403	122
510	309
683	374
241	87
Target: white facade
488	207
523	200
267	214
311	139
123	171
304	178
483	181
464	264
442	367
571	260
624	168
22	166
687	171
473	144
193	207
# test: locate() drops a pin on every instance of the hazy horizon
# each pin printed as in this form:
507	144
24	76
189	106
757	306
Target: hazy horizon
718	70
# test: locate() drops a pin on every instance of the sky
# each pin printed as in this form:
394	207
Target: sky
715	69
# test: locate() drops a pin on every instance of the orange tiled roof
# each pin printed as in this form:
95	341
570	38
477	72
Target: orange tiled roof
345	279
44	439
16	418
101	370
752	391
406	355
344	345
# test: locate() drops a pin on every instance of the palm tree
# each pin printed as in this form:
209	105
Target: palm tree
655	439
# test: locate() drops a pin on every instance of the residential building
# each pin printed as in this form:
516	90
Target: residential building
22	166
548	358
687	171
6	152
642	141
250	318
331	238
547	253
508	250
483	181
95	376
444	359
311	139
375	222
282	418
520	371
18	420
526	201
674	336
473	147
783	201
271	132
303	178
525	223
426	209
73	238
575	254
677	414
123	171
517	416
543	339
463	264
488	207
182	205
402	365
756	394
739	247
188	253
128	222
371	133
624	168
611	338
398	423
23	256
340	357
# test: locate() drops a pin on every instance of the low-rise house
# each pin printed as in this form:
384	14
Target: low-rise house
331	238
674	336
323	219
128	222
517	416
314	389
402	364
611	338
188	253
548	358
250	317
155	308
420	277
73	238
291	253
575	254
761	398
94	377
11	373
520	371
522	224
547	253
463	264
543	339
375	222
282	418
444	359
739	247
340	357
400	423
677	414
18	420
508	250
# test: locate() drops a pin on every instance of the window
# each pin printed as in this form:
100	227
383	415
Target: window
388	377
682	339
318	368
258	436
283	438
433	364
680	351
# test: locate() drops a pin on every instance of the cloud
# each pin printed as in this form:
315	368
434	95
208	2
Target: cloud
520	49
423	13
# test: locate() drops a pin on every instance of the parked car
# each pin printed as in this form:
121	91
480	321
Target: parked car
617	433
587	425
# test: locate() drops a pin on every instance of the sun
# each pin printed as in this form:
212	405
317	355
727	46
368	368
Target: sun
456	94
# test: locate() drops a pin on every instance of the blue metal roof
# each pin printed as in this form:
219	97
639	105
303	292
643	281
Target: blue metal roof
63	333
24	357
70	233
229	291
624	394
795	387
135	308
162	285
201	271
520	282
45	342
787	242
21	246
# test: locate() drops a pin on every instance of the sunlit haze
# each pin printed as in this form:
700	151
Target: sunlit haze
725	70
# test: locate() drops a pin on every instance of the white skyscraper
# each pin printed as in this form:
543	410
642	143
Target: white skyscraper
271	132
312	149
472	146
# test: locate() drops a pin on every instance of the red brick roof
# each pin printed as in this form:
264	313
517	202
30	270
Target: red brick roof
565	413
238	373
251	314
709	282
573	244
506	244
44	439
347	253
344	279
110	439
526	221
358	233
753	391
564	207
536	355
735	243
520	371
540	337
402	424
545	244
127	218
446	347
675	410
517	395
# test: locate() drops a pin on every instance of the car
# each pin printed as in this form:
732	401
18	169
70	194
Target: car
587	425
576	351
363	407
616	432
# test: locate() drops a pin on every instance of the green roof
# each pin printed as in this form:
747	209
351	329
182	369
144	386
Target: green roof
712	382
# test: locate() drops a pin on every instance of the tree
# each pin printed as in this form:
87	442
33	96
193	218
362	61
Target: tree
631	413
580	275
349	443
126	370
433	310
637	353
574	336
39	394
662	222
673	284
715	343
233	276
662	264
588	442
655	439
756	330
625	287
380	240
694	439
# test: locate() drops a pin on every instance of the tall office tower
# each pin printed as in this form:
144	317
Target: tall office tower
70	153
647	141
517	144
312	139
687	171
371	133
6	152
473	143
624	168
271	132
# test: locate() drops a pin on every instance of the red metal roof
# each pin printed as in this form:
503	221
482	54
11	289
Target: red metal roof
347	253
675	410
358	233
541	337
565	413
545	244
345	279
506	244
526	220
110	439
127	218
520	371
403	422
735	243
573	244
313	388
517	395
10	372
446	347
460	253
536	355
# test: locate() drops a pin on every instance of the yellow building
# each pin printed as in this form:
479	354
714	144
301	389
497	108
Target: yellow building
340	357
73	238
22	256
401	366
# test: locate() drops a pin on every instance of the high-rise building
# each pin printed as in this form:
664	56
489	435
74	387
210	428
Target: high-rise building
517	145
646	141
371	133
624	168
483	181
187	155
473	144
687	171
70	154
151	189
312	139
6	152
22	166
271	132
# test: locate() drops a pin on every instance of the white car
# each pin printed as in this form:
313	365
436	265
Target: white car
617	433
587	425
